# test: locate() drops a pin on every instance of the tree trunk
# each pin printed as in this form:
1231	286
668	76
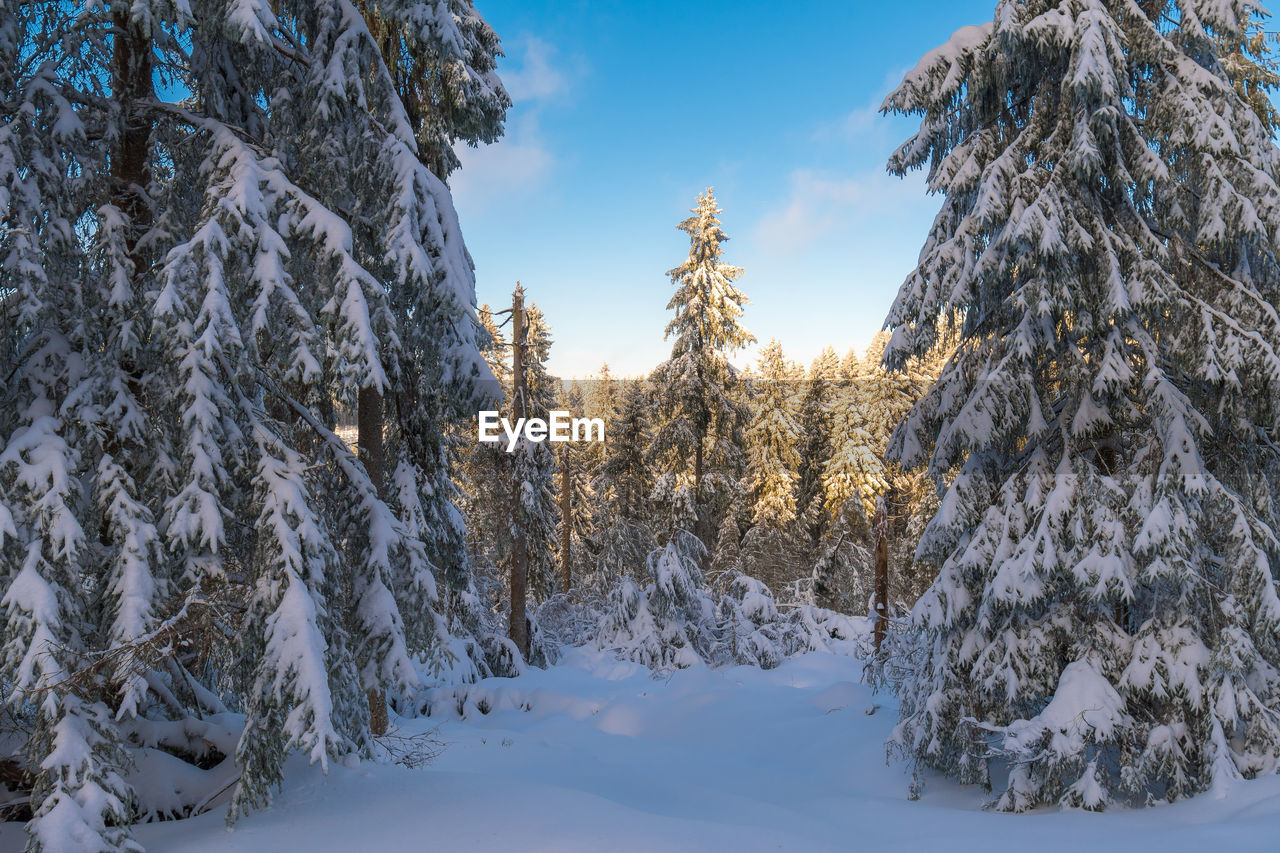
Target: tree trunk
697	491
518	627
882	571
132	72
566	523
369	423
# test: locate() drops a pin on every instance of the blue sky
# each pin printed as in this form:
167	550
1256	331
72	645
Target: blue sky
624	112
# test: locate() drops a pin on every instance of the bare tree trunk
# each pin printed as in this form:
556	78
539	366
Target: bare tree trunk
566	523
518	627
369	424
882	571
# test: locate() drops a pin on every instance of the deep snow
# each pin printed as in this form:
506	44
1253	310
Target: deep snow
610	758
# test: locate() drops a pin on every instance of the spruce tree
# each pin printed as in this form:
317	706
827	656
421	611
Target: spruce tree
699	442
536	510
773	457
191	291
816	447
770	547
622	485
1105	619
576	502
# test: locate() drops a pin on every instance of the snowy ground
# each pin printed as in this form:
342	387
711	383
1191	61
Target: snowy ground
608	758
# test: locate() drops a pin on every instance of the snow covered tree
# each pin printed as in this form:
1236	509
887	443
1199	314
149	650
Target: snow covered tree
534	473
698	443
1247	57
771	549
484	496
726	559
773	457
183	319
512	504
1106	617
495	348
837	582
442	58
749	616
622	485
669	624
820	386
576	502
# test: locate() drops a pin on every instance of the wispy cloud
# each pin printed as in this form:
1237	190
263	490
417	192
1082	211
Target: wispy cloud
539	76
522	161
821	204
865	124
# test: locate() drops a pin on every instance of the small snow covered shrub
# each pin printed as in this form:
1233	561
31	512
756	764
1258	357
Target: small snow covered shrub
670	623
760	632
746	626
748	619
567	620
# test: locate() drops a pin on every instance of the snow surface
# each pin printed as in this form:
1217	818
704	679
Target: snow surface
609	758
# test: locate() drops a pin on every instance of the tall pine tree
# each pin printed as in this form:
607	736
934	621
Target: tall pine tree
699	439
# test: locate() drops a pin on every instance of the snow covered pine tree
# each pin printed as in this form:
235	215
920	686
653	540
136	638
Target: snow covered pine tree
769	549
1105	622
181	319
700	421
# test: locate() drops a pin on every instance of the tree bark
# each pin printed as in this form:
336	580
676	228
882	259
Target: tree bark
697	490
132	71
882	571
369	424
566	523
518	627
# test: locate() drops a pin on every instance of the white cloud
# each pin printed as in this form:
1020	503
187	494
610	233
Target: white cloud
865	124
521	161
518	163
820	204
537	78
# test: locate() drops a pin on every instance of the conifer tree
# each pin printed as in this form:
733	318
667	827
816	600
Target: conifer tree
484	474
670	623
513	504
699	442
442	58
770	547
182	320
622	485
773	458
535	467
727	558
1106	618
817	439
575	501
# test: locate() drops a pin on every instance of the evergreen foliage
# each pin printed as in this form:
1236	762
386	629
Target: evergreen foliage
698	444
1106	616
192	289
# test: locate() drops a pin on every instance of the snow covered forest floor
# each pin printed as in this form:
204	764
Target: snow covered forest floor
607	757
